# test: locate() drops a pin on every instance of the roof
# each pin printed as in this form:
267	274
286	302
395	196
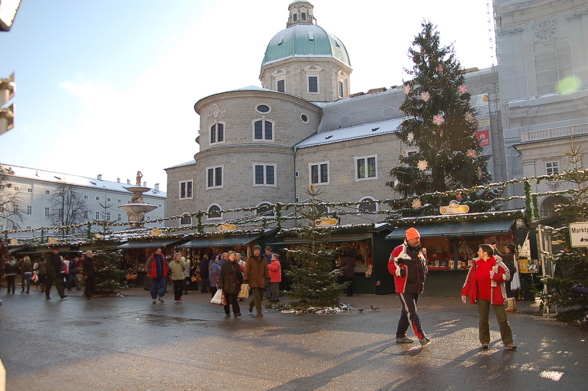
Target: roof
304	40
351	133
456	229
188	163
59	177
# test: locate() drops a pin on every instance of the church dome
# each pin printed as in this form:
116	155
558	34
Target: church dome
303	38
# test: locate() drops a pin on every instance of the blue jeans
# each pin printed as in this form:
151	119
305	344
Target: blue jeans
73	280
158	287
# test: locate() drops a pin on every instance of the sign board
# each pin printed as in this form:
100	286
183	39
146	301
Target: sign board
483	137
579	234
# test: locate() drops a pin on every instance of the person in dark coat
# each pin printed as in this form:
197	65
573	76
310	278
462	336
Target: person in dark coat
89	270
204	273
11	270
54	274
256	274
230	281
348	262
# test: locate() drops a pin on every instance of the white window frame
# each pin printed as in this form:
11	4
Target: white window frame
185	215
365	158
319	166
190	182
313	71
214	171
265	203
367	199
552	166
214	218
29	210
263	121
47	212
265	165
216	133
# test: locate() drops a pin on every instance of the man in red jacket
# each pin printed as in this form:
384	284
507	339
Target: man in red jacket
157	270
409	267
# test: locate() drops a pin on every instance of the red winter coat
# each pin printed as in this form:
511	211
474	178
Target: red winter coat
151	266
479	285
275	271
409	269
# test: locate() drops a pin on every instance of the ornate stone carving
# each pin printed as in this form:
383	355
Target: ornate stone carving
545	30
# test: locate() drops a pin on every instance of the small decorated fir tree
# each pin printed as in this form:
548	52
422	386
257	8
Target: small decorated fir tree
314	275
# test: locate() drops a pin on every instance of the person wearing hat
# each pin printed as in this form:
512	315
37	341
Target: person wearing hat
409	267
256	274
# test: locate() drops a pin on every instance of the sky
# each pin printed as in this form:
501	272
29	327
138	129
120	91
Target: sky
109	86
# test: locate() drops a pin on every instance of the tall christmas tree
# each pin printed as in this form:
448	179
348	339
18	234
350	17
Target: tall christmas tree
441	151
571	263
314	276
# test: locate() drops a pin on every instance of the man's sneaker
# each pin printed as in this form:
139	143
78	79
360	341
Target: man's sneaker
484	346
404	339
154	301
512	346
424	341
161	300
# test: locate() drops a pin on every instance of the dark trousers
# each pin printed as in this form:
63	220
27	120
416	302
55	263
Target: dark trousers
212	291
409	316
350	286
203	285
178	289
11	282
484	325
90	285
49	281
232	300
158	287
257	297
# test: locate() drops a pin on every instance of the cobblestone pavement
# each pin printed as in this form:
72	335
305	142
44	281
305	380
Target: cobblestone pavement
128	343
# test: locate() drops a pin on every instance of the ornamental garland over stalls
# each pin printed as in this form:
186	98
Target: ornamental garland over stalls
279	218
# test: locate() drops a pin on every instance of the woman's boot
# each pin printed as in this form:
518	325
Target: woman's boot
512	307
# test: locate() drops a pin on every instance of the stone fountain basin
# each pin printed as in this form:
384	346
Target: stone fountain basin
138	189
138	208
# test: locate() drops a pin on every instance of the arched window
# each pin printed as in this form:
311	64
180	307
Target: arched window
263	130
186	219
366	205
265	209
214	212
549	204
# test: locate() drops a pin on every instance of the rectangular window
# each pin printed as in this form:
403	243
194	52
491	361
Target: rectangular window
214	177
341	91
85	196
319	173
46	211
29	210
552	168
47	192
281	85
16	188
553	62
85	213
313	84
119	217
97	215
185	190
15	209
97	198
366	168
30	189
264	174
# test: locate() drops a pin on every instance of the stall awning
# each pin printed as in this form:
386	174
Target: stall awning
456	229
152	244
330	240
220	242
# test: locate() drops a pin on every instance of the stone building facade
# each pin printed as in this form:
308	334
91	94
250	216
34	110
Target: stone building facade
264	145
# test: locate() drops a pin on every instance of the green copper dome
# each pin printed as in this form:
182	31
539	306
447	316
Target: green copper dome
305	40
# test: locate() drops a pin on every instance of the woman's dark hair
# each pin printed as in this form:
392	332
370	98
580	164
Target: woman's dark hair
487	249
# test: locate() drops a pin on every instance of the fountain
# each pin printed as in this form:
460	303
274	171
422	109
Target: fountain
137	208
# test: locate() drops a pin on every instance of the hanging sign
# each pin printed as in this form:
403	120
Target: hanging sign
325	222
579	234
454	208
227	227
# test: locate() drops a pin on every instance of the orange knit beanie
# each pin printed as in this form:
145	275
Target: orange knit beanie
412	233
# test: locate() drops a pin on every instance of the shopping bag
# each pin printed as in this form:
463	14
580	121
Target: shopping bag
244	292
218	297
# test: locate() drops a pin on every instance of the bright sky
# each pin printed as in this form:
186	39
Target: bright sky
108	86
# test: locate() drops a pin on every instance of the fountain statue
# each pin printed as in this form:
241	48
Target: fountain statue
137	208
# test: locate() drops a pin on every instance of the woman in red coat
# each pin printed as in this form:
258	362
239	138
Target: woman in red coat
485	287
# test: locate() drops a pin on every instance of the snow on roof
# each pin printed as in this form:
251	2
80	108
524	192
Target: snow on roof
351	133
59	177
189	163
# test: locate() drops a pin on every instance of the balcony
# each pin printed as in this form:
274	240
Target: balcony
546	134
